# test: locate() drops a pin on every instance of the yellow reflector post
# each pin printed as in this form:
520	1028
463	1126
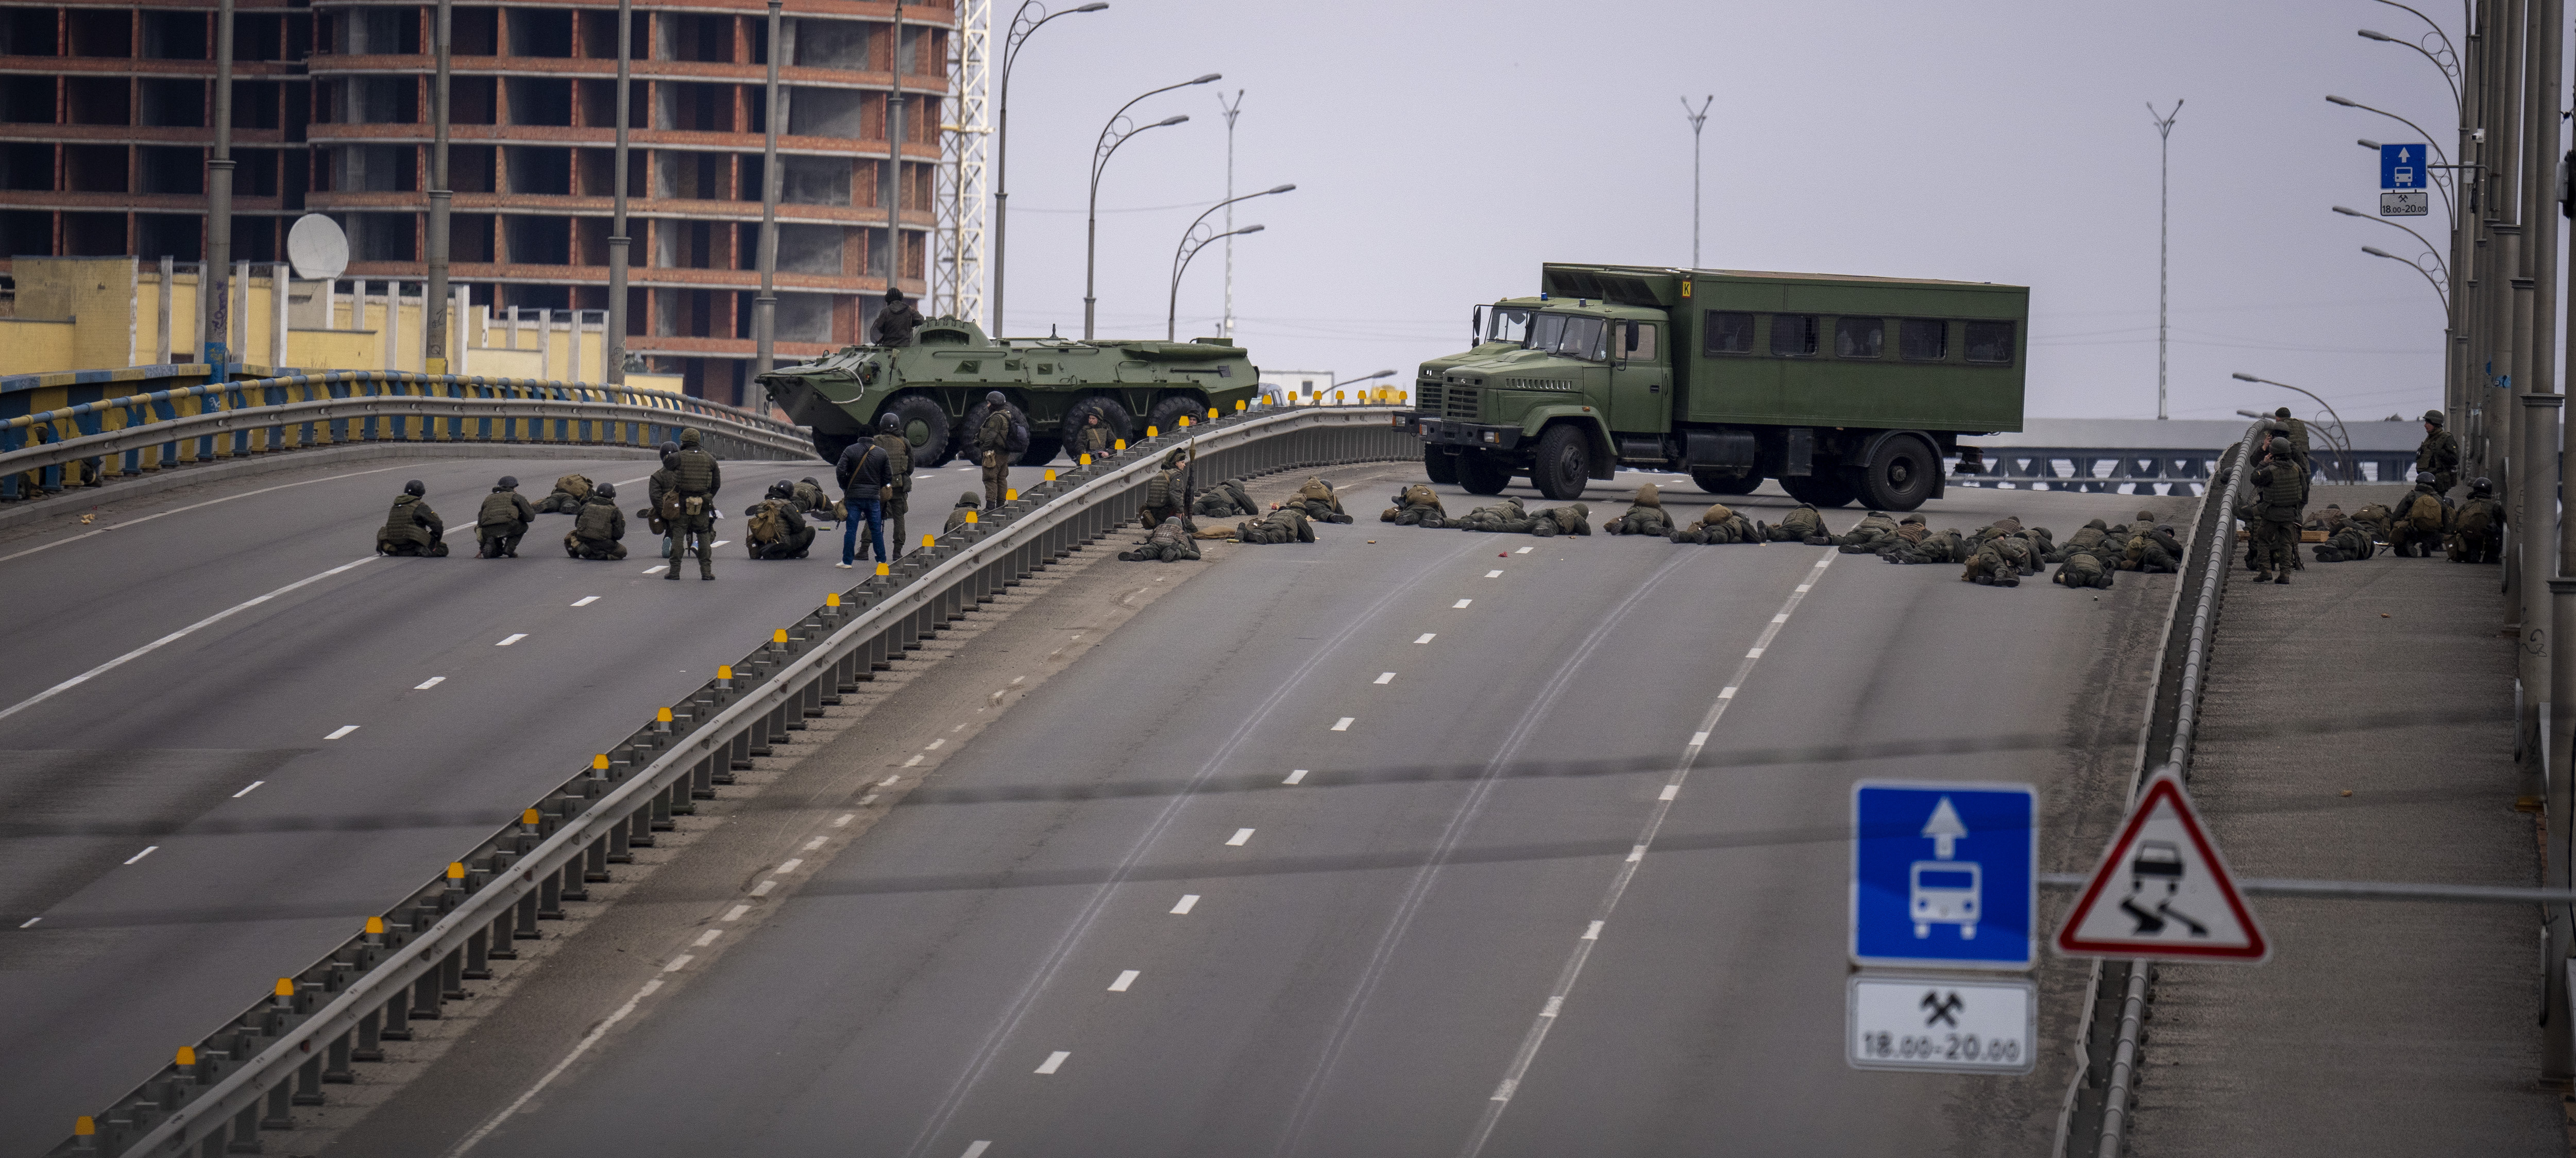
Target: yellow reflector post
83	1126
1185	420
599	763
1212	415
832	599
1122	444
663	715
187	1055
725	672
1051	473
286	987
376	925
456	870
1086	459
927	541
970	517
778	636
1151	432
1010	494
882	569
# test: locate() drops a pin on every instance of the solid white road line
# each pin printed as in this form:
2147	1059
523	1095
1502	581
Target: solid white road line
1343	724
597	1032
1189	901
1125	979
173	637
340	731
1461	603
1427	637
429	683
1627	872
190	507
585	601
514	638
247	791
1054	1061
1240	836
140	855
1384	677
1295	776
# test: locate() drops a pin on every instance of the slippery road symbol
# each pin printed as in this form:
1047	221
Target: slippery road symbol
2158	861
1945	1008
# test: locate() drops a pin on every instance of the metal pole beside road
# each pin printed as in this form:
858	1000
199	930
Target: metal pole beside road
764	305
214	293
613	343
1011	42
434	298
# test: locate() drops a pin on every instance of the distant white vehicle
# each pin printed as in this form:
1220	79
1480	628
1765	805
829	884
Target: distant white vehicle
1946	892
1297	387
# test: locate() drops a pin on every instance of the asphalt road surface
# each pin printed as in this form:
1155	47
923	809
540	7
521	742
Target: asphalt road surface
229	732
1404	847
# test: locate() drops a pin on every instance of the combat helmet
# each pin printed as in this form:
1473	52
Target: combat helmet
2432	418
414	489
782	489
2481	487
509	482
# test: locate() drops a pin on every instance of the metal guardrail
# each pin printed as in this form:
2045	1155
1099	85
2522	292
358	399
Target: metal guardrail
284	1051
139	433
2107	470
2173	720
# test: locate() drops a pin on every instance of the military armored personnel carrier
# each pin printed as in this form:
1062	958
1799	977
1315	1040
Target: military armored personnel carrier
937	386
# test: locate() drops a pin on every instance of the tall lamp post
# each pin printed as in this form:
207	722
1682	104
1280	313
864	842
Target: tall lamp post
613	344
1698	118
1189	248
434	294
214	284
1225	328
1112	136
764	305
1022	27
2164	229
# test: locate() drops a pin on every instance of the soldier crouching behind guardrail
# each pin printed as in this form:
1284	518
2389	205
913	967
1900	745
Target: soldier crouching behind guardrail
598	527
411	528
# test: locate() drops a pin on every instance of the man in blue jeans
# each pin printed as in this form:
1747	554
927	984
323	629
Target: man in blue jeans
863	472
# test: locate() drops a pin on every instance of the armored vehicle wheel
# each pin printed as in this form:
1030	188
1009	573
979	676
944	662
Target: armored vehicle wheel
1042	450
1719	484
1900	474
830	446
925	425
1112	416
1563	462
1482	475
965	448
1167	413
1830	489
1440	465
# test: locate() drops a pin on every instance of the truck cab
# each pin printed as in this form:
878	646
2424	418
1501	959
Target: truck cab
1547	383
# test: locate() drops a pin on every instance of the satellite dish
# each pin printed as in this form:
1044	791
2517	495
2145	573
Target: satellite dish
317	247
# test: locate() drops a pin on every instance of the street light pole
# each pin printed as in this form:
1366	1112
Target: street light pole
613	343
433	295
1021	29
1698	118
764	305
1225	328
214	281
1111	136
2164	227
1189	247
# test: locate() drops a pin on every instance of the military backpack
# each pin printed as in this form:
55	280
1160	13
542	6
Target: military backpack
2424	513
595	521
767	525
578	486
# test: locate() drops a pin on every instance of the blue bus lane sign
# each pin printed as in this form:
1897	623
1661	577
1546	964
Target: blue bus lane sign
1944	875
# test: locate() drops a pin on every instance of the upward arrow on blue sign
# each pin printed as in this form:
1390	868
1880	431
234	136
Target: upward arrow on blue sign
2403	167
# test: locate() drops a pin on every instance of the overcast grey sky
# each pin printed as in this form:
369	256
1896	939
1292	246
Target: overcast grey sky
1442	152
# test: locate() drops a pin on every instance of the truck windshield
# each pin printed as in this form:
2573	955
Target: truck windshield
1567	334
1509	324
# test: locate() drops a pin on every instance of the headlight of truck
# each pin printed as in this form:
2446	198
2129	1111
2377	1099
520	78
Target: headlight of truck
1493	436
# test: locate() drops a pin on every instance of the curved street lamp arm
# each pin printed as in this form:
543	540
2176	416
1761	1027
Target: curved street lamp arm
2438	66
2447	46
2438	291
1189	251
2343	450
1102	147
2438	264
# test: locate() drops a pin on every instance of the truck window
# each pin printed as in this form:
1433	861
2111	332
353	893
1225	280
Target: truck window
1639	338
1860	337
1923	339
1793	335
1571	336
1990	342
1509	325
1729	333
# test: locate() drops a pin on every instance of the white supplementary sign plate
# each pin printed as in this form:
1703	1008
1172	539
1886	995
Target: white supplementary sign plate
2403	205
1984	1026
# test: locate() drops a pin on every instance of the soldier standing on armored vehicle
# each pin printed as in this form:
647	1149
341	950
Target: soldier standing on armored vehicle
895	324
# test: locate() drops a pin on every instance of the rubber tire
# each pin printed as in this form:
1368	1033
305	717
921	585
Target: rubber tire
1042	450
965	440
1718	484
1166	415
1440	466
1900	474
1112	414
1822	491
1562	464
829	446
930	447
1480	475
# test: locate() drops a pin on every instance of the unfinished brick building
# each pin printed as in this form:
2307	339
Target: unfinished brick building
104	128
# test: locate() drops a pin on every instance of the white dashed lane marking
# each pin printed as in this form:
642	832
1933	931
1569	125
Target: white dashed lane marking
514	638
1189	901
148	850
1241	836
1427	637
1125	979
735	913
1054	1061
1344	724
1295	776
1494	574
1384	677
708	938
429	683
1524	550
585	601
1460	603
340	731
762	889
254	785
977	1149
657	569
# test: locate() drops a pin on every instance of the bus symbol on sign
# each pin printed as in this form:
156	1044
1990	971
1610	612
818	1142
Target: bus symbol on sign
1945	893
2402	167
1943	875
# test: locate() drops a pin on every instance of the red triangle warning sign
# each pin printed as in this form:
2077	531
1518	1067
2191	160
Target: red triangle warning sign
2162	892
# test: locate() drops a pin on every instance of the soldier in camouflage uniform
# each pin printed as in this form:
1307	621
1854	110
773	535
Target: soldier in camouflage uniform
411	528
1988	567
1095	440
1224	501
2020	551
502	520
1505	516
783	534
570	492
957	514
1572	519
1167	494
993	441
1872	534
1719	524
1417	506
1286	523
2329	520
812	502
2151	550
1168	544
1944	546
1321	504
2086	538
2477	527
598	528
693	492
2439	455
1801	525
896	497
2348	544
2422	518
1645	515
2082	569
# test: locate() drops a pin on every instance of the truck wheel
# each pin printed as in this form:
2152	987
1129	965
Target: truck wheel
1167	413
1719	484
965	440
1900	474
1831	489
1440	465
830	446
1481	475
1113	417
924	425
1041	451
1563	462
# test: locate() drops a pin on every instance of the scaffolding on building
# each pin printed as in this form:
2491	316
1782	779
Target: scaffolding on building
965	145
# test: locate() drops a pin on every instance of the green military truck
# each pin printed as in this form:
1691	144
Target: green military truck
1839	387
936	386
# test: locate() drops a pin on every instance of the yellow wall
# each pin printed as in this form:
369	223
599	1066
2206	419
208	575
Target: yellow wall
95	292
34	347
501	363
